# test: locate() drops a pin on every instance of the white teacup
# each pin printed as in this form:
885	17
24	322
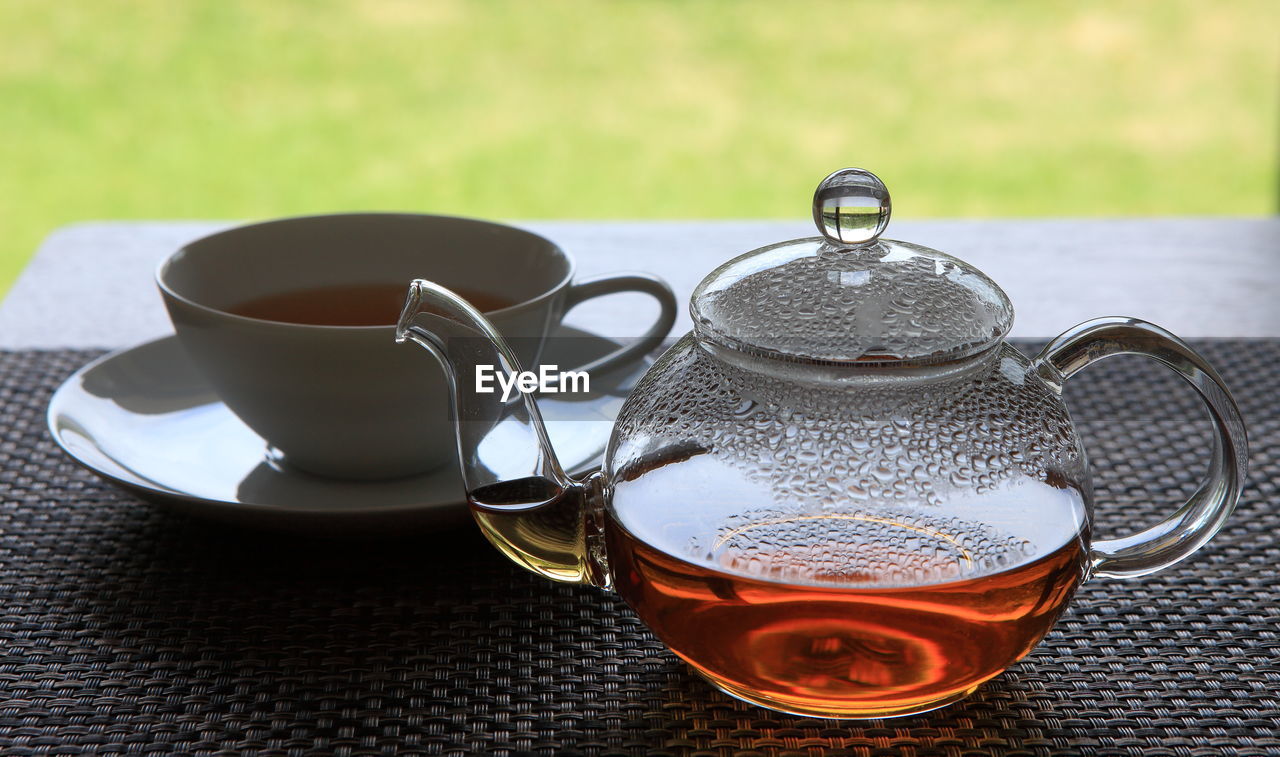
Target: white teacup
347	401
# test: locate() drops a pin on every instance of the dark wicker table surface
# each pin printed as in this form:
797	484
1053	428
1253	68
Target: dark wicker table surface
126	628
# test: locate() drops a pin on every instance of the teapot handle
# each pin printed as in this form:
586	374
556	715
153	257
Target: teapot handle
1193	524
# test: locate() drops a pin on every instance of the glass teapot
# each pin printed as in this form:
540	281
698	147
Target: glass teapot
842	494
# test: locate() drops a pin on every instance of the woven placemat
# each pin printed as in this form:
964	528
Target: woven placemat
125	628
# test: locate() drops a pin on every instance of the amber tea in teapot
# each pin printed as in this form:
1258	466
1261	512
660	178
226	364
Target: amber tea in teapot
843	494
847	612
865	652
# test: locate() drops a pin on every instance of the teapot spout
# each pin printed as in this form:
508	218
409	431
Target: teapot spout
524	502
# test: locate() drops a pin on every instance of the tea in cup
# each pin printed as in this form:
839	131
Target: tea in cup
292	323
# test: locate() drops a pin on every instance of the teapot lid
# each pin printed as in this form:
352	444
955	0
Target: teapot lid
848	296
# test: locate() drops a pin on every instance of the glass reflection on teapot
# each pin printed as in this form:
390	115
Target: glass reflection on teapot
842	494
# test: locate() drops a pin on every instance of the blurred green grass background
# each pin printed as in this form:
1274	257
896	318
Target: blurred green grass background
583	109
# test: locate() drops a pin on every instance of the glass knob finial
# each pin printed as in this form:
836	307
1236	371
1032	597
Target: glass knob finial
851	206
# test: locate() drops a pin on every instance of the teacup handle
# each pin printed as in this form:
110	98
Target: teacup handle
627	282
1203	514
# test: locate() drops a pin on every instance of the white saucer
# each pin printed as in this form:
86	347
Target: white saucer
143	418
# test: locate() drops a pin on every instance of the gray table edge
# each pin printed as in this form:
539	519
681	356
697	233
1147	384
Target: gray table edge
90	285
